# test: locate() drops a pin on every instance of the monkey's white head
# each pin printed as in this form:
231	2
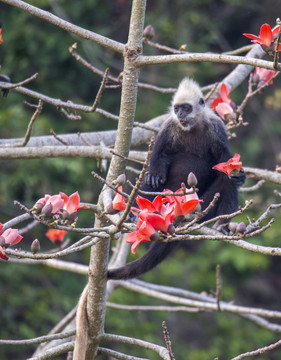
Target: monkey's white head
188	105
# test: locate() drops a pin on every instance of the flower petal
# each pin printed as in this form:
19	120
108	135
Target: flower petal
145	204
266	34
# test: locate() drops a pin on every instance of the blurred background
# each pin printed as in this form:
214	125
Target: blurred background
34	298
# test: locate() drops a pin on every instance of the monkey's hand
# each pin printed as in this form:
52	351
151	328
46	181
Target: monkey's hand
238	179
154	180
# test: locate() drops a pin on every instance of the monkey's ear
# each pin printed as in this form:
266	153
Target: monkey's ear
201	102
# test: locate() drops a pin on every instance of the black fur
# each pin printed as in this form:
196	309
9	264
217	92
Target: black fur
176	153
4	78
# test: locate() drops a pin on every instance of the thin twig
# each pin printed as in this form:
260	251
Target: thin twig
167	340
57	137
101	179
218	286
126	158
259	351
200	215
277	43
15	85
255	187
143	126
102	86
152	308
30	125
252	93
163	47
136	188
40	339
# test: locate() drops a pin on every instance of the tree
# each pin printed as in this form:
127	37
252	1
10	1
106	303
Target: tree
91	308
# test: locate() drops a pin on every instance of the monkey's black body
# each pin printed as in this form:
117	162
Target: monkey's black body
176	153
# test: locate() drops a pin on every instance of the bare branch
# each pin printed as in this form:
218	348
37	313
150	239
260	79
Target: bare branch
167	340
39	340
259	351
277	43
218	286
74	29
199	304
196	57
152	308
161	351
117	355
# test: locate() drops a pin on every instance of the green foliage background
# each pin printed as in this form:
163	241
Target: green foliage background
34	298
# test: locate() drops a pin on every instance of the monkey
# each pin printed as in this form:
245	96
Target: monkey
192	139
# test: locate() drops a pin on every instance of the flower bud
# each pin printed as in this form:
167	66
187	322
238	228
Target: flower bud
192	180
232	227
171	229
35	246
47	209
120	180
155	236
255	78
149	32
241	228
183	187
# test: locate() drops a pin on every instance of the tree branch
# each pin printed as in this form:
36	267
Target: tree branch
65	25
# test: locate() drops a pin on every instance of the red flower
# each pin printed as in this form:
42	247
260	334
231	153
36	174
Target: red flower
184	204
161	221
56	235
154	206
71	206
224	97
262	76
49	204
223	105
231	165
8	238
119	201
146	232
224	109
153	216
266	37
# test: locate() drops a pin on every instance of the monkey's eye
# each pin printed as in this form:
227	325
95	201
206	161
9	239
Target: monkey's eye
201	101
176	108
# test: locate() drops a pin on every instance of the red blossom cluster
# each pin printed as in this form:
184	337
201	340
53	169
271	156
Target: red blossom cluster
231	167
56	235
262	76
61	204
266	38
223	105
8	238
157	218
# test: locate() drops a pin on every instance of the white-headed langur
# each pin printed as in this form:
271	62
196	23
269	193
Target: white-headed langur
193	139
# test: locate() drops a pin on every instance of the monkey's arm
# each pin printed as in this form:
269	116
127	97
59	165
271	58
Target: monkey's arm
159	162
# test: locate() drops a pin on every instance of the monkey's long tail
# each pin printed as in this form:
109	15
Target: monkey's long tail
157	252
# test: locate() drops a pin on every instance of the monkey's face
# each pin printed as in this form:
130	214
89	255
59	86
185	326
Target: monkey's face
187	114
